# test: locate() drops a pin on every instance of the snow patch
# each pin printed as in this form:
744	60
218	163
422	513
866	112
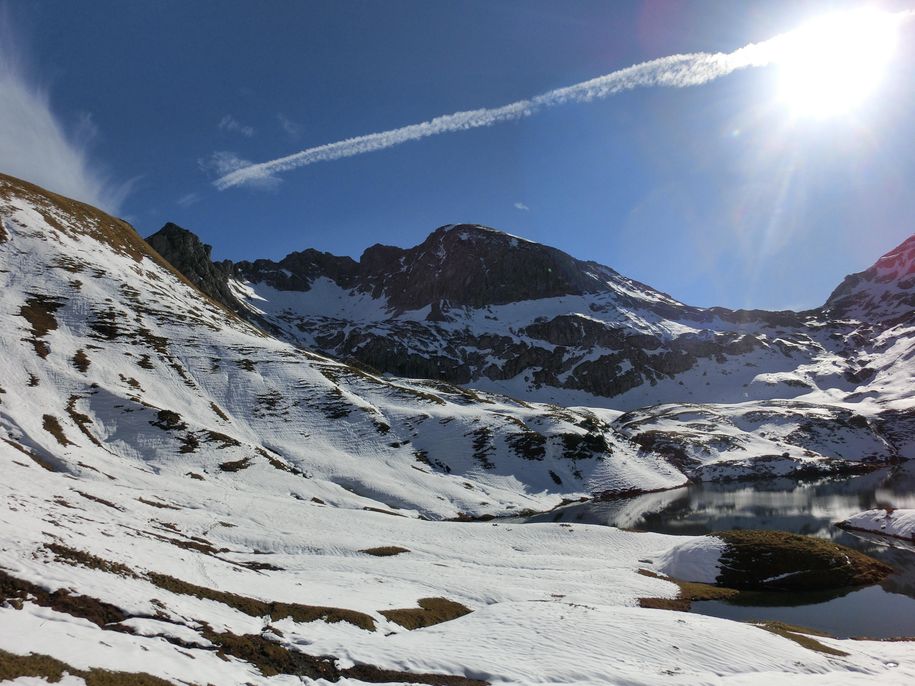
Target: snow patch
897	523
697	559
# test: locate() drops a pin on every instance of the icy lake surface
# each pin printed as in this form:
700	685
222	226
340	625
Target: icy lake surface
806	507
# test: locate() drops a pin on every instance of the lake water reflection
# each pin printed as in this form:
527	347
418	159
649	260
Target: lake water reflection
806	507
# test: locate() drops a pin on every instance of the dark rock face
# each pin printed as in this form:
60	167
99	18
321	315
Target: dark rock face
447	267
619	334
185	251
297	270
456	266
885	291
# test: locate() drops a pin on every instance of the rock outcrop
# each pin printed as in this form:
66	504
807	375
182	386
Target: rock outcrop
472	305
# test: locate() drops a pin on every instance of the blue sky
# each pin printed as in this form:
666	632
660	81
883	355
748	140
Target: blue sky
716	194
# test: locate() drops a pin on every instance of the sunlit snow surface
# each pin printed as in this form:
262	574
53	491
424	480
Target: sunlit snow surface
896	523
183	426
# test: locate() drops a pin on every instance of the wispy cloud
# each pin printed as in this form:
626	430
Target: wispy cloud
521	206
675	71
232	125
290	127
223	162
188	199
35	144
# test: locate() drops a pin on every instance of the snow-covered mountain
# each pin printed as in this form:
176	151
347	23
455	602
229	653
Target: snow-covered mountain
190	499
478	307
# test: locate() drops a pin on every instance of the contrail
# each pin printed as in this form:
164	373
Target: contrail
675	71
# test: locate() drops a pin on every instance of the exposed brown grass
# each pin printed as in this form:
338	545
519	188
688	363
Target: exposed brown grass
161	506
130	381
52	670
801	636
689	591
199	545
81	558
189	444
779	561
236	465
96	611
245	364
261	608
53	427
31	454
374	675
100	501
218	412
82	421
168	420
38	311
221	439
385	550
273	659
81	361
430	611
279	464
387	512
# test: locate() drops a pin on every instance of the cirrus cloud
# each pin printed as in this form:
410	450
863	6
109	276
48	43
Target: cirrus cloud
37	146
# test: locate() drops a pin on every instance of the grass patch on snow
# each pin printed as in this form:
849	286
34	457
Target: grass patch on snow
430	611
689	591
38	311
51	424
236	465
385	550
779	561
81	558
16	591
51	670
260	608
801	636
81	361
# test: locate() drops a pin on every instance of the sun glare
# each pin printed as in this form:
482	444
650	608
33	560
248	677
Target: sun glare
834	63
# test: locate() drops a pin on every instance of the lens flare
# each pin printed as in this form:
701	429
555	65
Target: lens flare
834	63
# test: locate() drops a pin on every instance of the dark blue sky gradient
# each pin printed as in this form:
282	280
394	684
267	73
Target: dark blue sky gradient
708	193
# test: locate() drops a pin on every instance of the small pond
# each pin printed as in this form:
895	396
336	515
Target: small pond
804	507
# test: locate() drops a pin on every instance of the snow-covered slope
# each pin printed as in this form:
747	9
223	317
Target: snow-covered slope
189	498
885	291
474	306
238	583
108	356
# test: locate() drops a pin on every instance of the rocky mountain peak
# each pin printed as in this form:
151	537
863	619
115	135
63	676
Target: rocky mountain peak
476	266
885	291
192	257
899	263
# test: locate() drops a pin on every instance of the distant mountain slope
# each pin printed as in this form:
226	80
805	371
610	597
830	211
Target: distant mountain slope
884	292
474	306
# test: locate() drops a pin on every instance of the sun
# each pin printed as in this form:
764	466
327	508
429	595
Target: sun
834	63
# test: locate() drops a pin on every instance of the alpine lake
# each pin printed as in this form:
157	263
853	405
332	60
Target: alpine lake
810	508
